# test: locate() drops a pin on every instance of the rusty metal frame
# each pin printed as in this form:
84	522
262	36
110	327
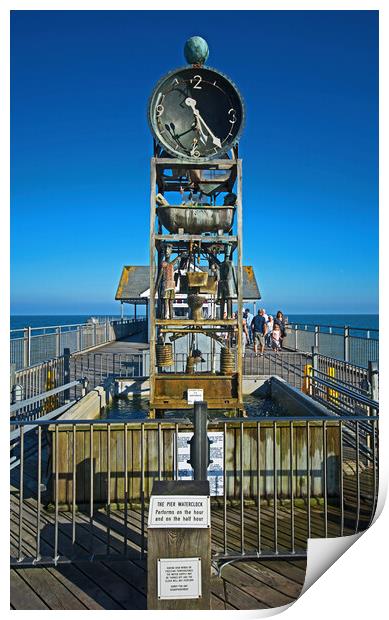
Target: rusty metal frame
178	241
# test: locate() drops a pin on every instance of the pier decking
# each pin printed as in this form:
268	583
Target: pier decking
117	538
119	582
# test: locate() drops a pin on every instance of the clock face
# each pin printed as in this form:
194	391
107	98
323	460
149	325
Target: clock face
196	113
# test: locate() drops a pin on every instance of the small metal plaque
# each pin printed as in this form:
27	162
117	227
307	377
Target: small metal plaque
215	469
170	511
179	578
195	395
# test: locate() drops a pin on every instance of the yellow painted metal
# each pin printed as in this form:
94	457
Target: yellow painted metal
52	402
332	395
307	379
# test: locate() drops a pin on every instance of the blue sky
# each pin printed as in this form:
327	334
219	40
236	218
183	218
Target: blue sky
80	150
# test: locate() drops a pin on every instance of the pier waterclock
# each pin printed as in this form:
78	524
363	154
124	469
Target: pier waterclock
196	115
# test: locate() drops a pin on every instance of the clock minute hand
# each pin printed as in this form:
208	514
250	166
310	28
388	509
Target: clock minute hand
192	104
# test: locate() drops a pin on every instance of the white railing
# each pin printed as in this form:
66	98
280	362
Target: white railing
356	345
32	345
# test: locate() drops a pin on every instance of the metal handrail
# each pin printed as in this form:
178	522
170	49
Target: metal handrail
347	392
187	422
363	329
36	399
334	360
21	329
336	381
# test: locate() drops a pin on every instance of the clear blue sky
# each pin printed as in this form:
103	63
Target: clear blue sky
80	149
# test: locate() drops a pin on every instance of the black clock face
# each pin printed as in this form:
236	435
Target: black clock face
196	113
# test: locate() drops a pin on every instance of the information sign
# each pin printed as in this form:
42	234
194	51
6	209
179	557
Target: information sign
179	511
195	395
179	578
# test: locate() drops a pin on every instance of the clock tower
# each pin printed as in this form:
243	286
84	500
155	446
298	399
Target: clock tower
196	115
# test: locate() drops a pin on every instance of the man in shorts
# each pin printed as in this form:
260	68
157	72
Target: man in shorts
258	326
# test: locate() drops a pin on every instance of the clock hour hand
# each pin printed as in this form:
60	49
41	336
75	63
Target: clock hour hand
192	104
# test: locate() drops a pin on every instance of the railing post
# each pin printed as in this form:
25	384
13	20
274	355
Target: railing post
66	372
295	337
84	387
315	367
57	342
316	337
79	338
106	330
27	347
199	444
94	335
372	371
12	378
346	344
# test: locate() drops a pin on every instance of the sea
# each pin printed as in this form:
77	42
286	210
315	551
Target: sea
364	321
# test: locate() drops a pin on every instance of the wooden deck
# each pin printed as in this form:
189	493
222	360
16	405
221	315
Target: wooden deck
120	583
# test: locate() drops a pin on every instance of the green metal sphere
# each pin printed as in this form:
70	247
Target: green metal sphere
196	51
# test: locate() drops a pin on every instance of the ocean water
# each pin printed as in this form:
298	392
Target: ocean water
367	321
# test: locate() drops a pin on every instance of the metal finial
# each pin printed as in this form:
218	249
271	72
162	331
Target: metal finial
196	51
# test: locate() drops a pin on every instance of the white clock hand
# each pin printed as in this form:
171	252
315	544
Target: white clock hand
192	104
203	136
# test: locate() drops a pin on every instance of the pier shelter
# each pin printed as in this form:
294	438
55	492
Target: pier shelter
134	288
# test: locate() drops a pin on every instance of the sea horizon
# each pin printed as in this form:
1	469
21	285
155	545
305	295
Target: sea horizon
357	320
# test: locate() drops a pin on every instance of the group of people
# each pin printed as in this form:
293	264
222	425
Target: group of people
264	330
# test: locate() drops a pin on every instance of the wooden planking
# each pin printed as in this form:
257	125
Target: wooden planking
236	597
50	589
263	593
22	595
271	581
89	592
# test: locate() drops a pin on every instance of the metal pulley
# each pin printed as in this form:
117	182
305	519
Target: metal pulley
164	354
227	362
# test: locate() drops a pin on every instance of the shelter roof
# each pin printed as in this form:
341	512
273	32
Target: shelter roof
134	284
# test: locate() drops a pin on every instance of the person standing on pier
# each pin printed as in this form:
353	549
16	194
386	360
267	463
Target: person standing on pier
269	325
249	319
280	321
259	329
276	339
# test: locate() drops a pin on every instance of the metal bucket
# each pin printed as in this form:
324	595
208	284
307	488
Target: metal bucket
197	278
211	287
196	220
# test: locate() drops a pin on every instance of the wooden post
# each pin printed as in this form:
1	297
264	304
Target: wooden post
179	556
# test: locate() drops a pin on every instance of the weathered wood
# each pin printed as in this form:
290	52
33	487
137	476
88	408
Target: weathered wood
291	571
22	595
178	543
50	589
